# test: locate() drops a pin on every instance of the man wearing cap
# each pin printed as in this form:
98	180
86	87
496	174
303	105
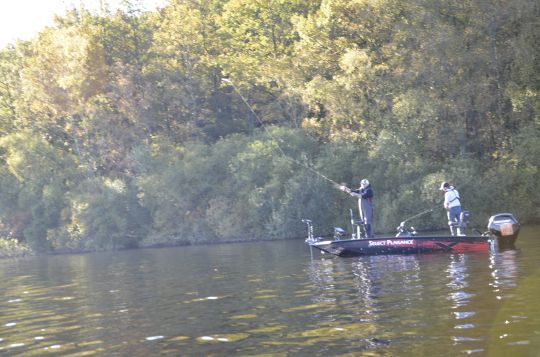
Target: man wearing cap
365	205
452	205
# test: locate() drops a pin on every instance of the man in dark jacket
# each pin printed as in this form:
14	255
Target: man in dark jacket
365	204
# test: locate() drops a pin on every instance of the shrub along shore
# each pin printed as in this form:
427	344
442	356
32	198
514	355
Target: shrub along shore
233	120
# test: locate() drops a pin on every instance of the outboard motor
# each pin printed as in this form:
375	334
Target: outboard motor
505	227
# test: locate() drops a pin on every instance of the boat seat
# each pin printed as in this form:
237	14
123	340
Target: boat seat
339	233
464	220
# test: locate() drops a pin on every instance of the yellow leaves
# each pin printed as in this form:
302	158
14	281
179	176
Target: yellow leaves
355	60
71	47
116	185
175	36
67	66
521	97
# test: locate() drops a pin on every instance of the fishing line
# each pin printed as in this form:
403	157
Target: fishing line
424	212
226	80
420	214
291	159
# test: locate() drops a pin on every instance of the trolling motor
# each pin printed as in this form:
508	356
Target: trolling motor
310	238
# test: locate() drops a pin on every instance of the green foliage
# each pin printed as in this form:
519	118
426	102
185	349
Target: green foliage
118	127
103	214
175	192
43	174
10	66
259	36
11	248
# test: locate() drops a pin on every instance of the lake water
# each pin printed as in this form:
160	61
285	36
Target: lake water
273	298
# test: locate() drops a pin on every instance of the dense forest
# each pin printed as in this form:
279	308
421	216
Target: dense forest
227	120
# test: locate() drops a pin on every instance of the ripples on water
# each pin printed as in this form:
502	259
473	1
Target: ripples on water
271	298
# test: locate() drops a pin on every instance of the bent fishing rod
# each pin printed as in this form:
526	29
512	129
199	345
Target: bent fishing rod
291	159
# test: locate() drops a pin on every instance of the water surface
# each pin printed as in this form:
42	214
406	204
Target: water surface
272	298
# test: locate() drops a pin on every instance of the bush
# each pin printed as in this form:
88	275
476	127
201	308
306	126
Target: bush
104	214
11	248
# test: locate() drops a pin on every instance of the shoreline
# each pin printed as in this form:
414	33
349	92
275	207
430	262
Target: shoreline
157	245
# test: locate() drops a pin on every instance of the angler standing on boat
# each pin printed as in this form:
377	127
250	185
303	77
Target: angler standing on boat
365	204
452	205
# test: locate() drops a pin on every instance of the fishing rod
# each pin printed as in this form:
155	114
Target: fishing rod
291	159
402	224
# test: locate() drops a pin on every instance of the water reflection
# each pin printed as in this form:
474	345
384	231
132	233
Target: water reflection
374	291
323	277
405	292
377	276
457	275
467	282
504	269
369	275
270	298
515	325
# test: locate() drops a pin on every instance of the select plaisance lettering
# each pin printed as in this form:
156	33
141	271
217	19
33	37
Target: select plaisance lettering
390	242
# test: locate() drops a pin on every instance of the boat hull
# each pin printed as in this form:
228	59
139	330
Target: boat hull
402	245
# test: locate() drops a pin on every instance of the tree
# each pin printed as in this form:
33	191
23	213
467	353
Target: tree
103	214
43	176
10	68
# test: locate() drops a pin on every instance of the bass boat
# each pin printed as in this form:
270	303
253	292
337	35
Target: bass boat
503	230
